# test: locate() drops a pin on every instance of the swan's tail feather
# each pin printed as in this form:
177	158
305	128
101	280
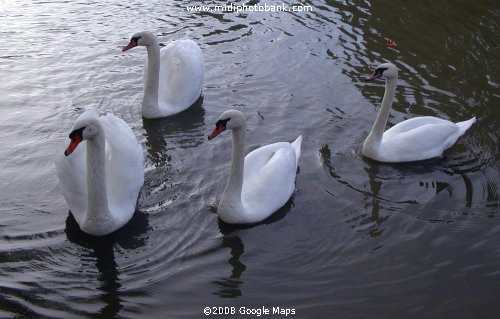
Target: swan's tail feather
296	146
464	126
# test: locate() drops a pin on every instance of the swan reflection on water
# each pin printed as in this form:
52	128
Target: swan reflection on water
232	286
182	130
418	184
102	249
369	219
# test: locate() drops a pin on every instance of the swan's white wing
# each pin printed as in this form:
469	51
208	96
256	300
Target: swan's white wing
181	75
124	166
423	142
258	158
269	178
413	123
72	173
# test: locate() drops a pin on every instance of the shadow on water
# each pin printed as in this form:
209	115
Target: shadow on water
373	202
131	236
420	184
369	182
226	228
185	123
231	287
326	157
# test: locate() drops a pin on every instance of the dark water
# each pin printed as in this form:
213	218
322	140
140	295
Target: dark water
358	239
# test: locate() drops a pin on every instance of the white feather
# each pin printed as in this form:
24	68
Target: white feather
124	175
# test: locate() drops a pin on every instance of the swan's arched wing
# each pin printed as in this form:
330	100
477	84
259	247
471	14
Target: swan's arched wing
269	177
181	75
124	165
72	173
414	123
259	157
422	142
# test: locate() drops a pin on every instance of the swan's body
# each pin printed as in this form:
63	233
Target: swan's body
101	179
260	183
415	139
173	76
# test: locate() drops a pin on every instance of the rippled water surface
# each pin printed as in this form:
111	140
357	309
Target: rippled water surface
358	239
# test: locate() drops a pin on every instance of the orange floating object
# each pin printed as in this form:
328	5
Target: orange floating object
390	43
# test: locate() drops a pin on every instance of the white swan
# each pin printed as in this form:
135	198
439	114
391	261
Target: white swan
101	179
259	183
173	75
415	139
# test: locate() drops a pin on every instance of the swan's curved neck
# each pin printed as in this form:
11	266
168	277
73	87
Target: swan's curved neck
231	198
150	99
96	179
235	181
377	131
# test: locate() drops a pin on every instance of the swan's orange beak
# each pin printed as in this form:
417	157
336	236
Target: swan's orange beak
74	143
129	46
375	75
218	129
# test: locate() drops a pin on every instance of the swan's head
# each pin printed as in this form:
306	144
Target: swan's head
384	71
228	120
143	38
86	127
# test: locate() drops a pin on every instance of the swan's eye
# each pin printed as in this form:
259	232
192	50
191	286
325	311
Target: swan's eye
76	133
135	39
377	74
222	123
380	71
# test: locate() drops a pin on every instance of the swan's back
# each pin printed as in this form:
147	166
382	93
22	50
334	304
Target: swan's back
181	75
124	165
420	138
269	177
413	123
